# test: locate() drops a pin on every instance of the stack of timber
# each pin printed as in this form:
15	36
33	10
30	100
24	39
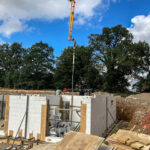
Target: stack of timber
77	141
128	140
81	141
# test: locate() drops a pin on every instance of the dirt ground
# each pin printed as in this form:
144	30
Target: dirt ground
135	109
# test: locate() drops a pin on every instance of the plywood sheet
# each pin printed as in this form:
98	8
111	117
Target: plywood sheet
83	118
79	141
49	146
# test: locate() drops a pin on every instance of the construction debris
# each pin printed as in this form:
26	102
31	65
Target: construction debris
79	141
128	140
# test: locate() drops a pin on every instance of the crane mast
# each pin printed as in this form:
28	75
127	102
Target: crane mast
72	12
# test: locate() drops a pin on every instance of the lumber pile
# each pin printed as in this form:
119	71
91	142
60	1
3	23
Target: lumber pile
79	141
128	140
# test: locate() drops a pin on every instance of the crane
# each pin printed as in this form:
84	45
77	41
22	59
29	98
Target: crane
72	12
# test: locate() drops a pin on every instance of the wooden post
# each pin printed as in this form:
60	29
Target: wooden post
6	116
83	118
43	122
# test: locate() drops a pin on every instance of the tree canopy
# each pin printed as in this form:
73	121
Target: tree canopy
86	73
107	64
121	57
30	68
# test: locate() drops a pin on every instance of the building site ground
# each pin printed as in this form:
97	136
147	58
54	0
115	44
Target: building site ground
133	116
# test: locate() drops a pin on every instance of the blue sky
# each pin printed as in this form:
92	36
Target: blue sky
46	23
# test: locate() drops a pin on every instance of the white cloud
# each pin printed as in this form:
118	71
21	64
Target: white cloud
14	14
140	28
10	26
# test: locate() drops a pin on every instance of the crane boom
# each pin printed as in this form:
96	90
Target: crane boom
72	12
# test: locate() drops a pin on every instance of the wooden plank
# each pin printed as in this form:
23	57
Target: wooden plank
79	141
119	146
83	118
129	142
6	116
47	146
63	109
123	140
132	139
38	136
137	145
31	136
146	148
20	134
43	122
11	132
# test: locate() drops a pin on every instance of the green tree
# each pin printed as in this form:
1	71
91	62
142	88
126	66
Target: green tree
144	84
86	75
37	72
11	62
121	57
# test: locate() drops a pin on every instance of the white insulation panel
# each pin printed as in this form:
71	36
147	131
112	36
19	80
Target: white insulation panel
34	115
17	109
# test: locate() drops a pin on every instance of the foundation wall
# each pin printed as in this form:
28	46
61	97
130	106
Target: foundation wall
111	105
17	110
98	115
103	113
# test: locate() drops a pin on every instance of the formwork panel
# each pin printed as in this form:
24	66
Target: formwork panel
17	109
98	115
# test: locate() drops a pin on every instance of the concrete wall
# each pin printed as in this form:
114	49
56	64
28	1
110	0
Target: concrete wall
17	109
111	105
98	115
97	118
53	100
34	115
103	113
77	100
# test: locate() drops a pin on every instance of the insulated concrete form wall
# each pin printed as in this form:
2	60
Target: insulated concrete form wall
77	101
111	112
34	115
17	110
98	115
103	113
53	100
98	119
100	112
